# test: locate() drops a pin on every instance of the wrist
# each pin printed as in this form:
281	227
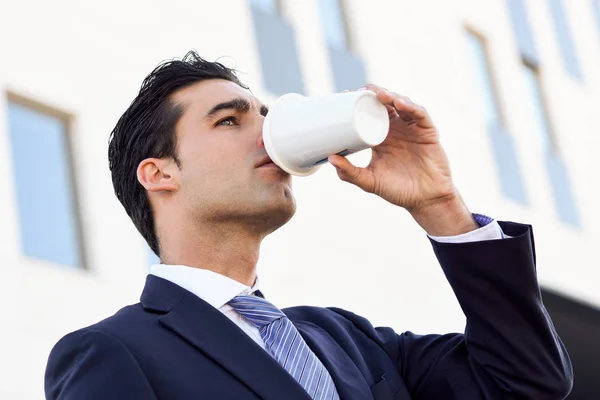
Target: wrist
446	217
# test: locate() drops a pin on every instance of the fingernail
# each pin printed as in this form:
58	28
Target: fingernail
363	88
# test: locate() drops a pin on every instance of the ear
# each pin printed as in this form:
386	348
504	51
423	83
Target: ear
158	174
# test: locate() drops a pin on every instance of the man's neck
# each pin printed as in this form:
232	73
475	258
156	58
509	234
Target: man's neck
228	251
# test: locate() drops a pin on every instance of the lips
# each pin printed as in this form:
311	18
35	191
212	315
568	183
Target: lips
266	160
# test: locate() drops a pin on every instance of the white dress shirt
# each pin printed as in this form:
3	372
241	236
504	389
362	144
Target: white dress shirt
217	290
491	231
213	288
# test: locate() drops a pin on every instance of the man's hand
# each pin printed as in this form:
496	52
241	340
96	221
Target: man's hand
410	169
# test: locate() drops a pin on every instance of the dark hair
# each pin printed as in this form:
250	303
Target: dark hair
147	129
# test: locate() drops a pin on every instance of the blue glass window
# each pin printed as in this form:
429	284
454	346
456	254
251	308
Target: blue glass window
481	78
507	163
267	6
565	42
596	11
333	23
44	190
520	22
347	68
277	51
557	171
560	183
537	110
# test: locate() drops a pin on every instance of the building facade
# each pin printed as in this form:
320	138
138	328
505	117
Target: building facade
513	86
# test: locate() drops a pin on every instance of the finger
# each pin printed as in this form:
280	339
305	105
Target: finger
374	88
347	172
388	98
407	109
392	113
399	102
414	111
368	86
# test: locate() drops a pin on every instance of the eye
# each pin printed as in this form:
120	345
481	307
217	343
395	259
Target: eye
229	121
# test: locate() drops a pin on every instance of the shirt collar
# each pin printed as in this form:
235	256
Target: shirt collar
215	289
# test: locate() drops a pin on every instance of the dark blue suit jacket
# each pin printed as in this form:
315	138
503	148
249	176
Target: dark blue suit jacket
174	345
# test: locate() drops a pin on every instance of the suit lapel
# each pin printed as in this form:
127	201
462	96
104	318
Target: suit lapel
348	380
211	332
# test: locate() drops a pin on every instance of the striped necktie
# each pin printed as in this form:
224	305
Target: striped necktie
285	344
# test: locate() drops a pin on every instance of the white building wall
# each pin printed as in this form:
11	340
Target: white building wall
344	247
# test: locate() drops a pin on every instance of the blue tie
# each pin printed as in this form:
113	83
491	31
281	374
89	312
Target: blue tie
285	344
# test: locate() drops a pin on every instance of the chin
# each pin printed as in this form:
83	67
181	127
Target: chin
283	214
276	216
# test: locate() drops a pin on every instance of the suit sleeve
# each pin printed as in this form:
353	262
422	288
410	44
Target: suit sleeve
509	349
89	364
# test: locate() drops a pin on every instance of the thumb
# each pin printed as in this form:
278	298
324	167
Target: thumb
350	173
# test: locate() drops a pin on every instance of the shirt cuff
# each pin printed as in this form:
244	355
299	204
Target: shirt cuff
490	230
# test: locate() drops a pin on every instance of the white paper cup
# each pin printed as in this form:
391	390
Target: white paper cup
300	132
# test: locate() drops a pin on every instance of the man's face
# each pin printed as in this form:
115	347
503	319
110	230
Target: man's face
219	144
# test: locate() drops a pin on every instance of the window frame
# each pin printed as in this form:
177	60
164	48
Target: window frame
67	119
347	33
491	75
553	147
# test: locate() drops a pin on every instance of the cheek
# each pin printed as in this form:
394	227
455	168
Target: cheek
199	157
210	150
214	163
211	172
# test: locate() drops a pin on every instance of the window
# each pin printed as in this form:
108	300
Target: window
536	108
277	51
348	69
507	164
43	179
596	11
557	171
333	23
520	22
482	80
565	41
266	6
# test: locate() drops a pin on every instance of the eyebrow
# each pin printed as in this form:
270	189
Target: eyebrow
240	105
264	110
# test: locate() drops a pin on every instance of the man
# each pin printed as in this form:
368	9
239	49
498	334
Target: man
188	164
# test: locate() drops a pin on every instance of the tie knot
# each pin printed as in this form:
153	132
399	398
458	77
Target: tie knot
256	310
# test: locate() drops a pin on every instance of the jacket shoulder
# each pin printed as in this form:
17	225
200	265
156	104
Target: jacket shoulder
334	318
82	362
326	314
113	328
